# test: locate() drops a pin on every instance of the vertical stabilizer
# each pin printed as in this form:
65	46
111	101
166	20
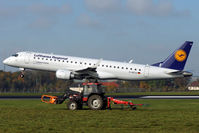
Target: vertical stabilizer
178	58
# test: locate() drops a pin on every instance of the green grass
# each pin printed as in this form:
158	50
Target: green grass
17	116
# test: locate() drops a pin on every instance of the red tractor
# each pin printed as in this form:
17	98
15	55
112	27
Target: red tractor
91	94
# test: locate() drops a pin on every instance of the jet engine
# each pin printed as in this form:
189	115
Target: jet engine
64	74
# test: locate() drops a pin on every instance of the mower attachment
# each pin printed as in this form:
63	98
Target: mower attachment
49	99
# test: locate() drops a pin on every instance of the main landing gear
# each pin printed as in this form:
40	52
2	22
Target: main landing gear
22	75
22	72
91	95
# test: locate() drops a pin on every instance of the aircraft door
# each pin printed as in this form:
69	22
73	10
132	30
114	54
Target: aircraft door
27	58
146	71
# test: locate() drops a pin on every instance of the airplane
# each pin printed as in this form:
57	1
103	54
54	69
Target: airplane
69	67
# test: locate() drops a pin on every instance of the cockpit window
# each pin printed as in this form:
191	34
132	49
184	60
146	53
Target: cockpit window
15	55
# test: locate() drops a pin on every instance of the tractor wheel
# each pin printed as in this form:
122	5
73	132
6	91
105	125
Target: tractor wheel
95	102
72	105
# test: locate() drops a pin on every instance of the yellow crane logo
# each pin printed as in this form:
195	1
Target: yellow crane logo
180	55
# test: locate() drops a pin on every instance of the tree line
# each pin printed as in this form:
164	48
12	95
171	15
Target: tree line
39	81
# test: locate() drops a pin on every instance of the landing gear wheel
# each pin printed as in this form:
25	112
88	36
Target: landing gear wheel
95	102
22	75
72	105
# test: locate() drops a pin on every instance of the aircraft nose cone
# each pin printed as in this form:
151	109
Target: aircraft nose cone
6	61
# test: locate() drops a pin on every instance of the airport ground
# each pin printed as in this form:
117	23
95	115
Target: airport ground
163	115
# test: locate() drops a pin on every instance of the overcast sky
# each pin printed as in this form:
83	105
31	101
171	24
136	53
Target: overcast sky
146	31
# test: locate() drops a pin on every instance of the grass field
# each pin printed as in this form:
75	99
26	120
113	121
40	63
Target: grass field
17	116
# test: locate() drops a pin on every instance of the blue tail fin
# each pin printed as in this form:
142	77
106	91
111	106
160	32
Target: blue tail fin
178	58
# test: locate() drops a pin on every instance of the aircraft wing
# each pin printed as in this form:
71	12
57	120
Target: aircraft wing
89	72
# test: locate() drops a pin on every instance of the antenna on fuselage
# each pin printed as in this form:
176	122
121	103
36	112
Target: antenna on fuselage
131	61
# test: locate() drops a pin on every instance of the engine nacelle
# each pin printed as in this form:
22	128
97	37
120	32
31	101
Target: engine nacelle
64	74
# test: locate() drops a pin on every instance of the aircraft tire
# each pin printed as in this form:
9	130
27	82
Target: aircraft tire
22	75
95	102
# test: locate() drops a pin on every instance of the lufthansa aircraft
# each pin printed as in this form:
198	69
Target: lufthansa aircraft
68	67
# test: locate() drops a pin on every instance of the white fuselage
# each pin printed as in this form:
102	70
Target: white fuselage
105	69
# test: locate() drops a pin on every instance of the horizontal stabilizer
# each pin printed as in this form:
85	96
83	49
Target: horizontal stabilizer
184	73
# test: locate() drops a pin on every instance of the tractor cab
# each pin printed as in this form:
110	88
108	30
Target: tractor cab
92	88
